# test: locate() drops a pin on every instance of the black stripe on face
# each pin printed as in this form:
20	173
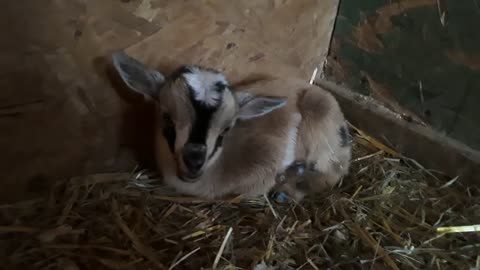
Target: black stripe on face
345	138
201	124
203	117
203	113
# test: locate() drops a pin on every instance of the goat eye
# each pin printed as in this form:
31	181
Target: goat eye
219	141
221	136
225	131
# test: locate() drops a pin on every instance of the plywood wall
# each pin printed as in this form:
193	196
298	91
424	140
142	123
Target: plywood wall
60	115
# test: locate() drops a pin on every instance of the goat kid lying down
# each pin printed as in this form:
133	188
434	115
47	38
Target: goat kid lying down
211	140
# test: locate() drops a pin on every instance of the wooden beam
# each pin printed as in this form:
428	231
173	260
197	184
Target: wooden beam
427	146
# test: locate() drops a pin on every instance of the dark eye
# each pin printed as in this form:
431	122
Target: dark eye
219	141
227	129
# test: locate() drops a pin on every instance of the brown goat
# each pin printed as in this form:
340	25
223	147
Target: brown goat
213	141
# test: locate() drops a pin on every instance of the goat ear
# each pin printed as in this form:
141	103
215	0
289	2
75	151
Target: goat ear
137	76
255	106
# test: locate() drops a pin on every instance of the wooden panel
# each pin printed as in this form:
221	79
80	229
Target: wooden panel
431	149
60	115
418	57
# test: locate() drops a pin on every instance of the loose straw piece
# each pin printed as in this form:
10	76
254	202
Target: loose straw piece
459	229
137	244
222	248
365	235
271	206
312	264
134	227
312	79
184	258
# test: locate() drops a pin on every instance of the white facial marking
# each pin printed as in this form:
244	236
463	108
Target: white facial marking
203	83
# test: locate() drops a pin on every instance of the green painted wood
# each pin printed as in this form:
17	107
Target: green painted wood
420	57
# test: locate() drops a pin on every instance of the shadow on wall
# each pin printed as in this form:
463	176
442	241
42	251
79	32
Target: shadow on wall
136	131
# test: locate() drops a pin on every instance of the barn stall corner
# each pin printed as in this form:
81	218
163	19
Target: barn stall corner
78	189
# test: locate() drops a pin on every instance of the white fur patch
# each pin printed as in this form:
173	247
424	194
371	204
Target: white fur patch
289	157
203	83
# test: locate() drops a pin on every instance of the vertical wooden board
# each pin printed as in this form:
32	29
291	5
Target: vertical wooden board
60	115
417	57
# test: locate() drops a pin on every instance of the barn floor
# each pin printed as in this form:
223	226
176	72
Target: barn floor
384	216
61	116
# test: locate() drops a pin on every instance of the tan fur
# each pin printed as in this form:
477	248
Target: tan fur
254	151
301	123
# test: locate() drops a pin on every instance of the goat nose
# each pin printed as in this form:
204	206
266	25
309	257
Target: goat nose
194	156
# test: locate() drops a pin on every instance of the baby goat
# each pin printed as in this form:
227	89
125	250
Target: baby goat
213	141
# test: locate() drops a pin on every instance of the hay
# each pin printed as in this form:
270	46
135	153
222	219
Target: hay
383	216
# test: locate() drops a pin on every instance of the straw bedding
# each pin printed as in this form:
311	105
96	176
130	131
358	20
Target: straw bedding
382	216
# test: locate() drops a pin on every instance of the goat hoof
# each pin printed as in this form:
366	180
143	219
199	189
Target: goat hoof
280	197
298	168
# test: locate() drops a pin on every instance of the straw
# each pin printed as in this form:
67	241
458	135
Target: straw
389	213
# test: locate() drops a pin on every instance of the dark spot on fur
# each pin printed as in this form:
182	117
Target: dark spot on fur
231	45
279	197
345	138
